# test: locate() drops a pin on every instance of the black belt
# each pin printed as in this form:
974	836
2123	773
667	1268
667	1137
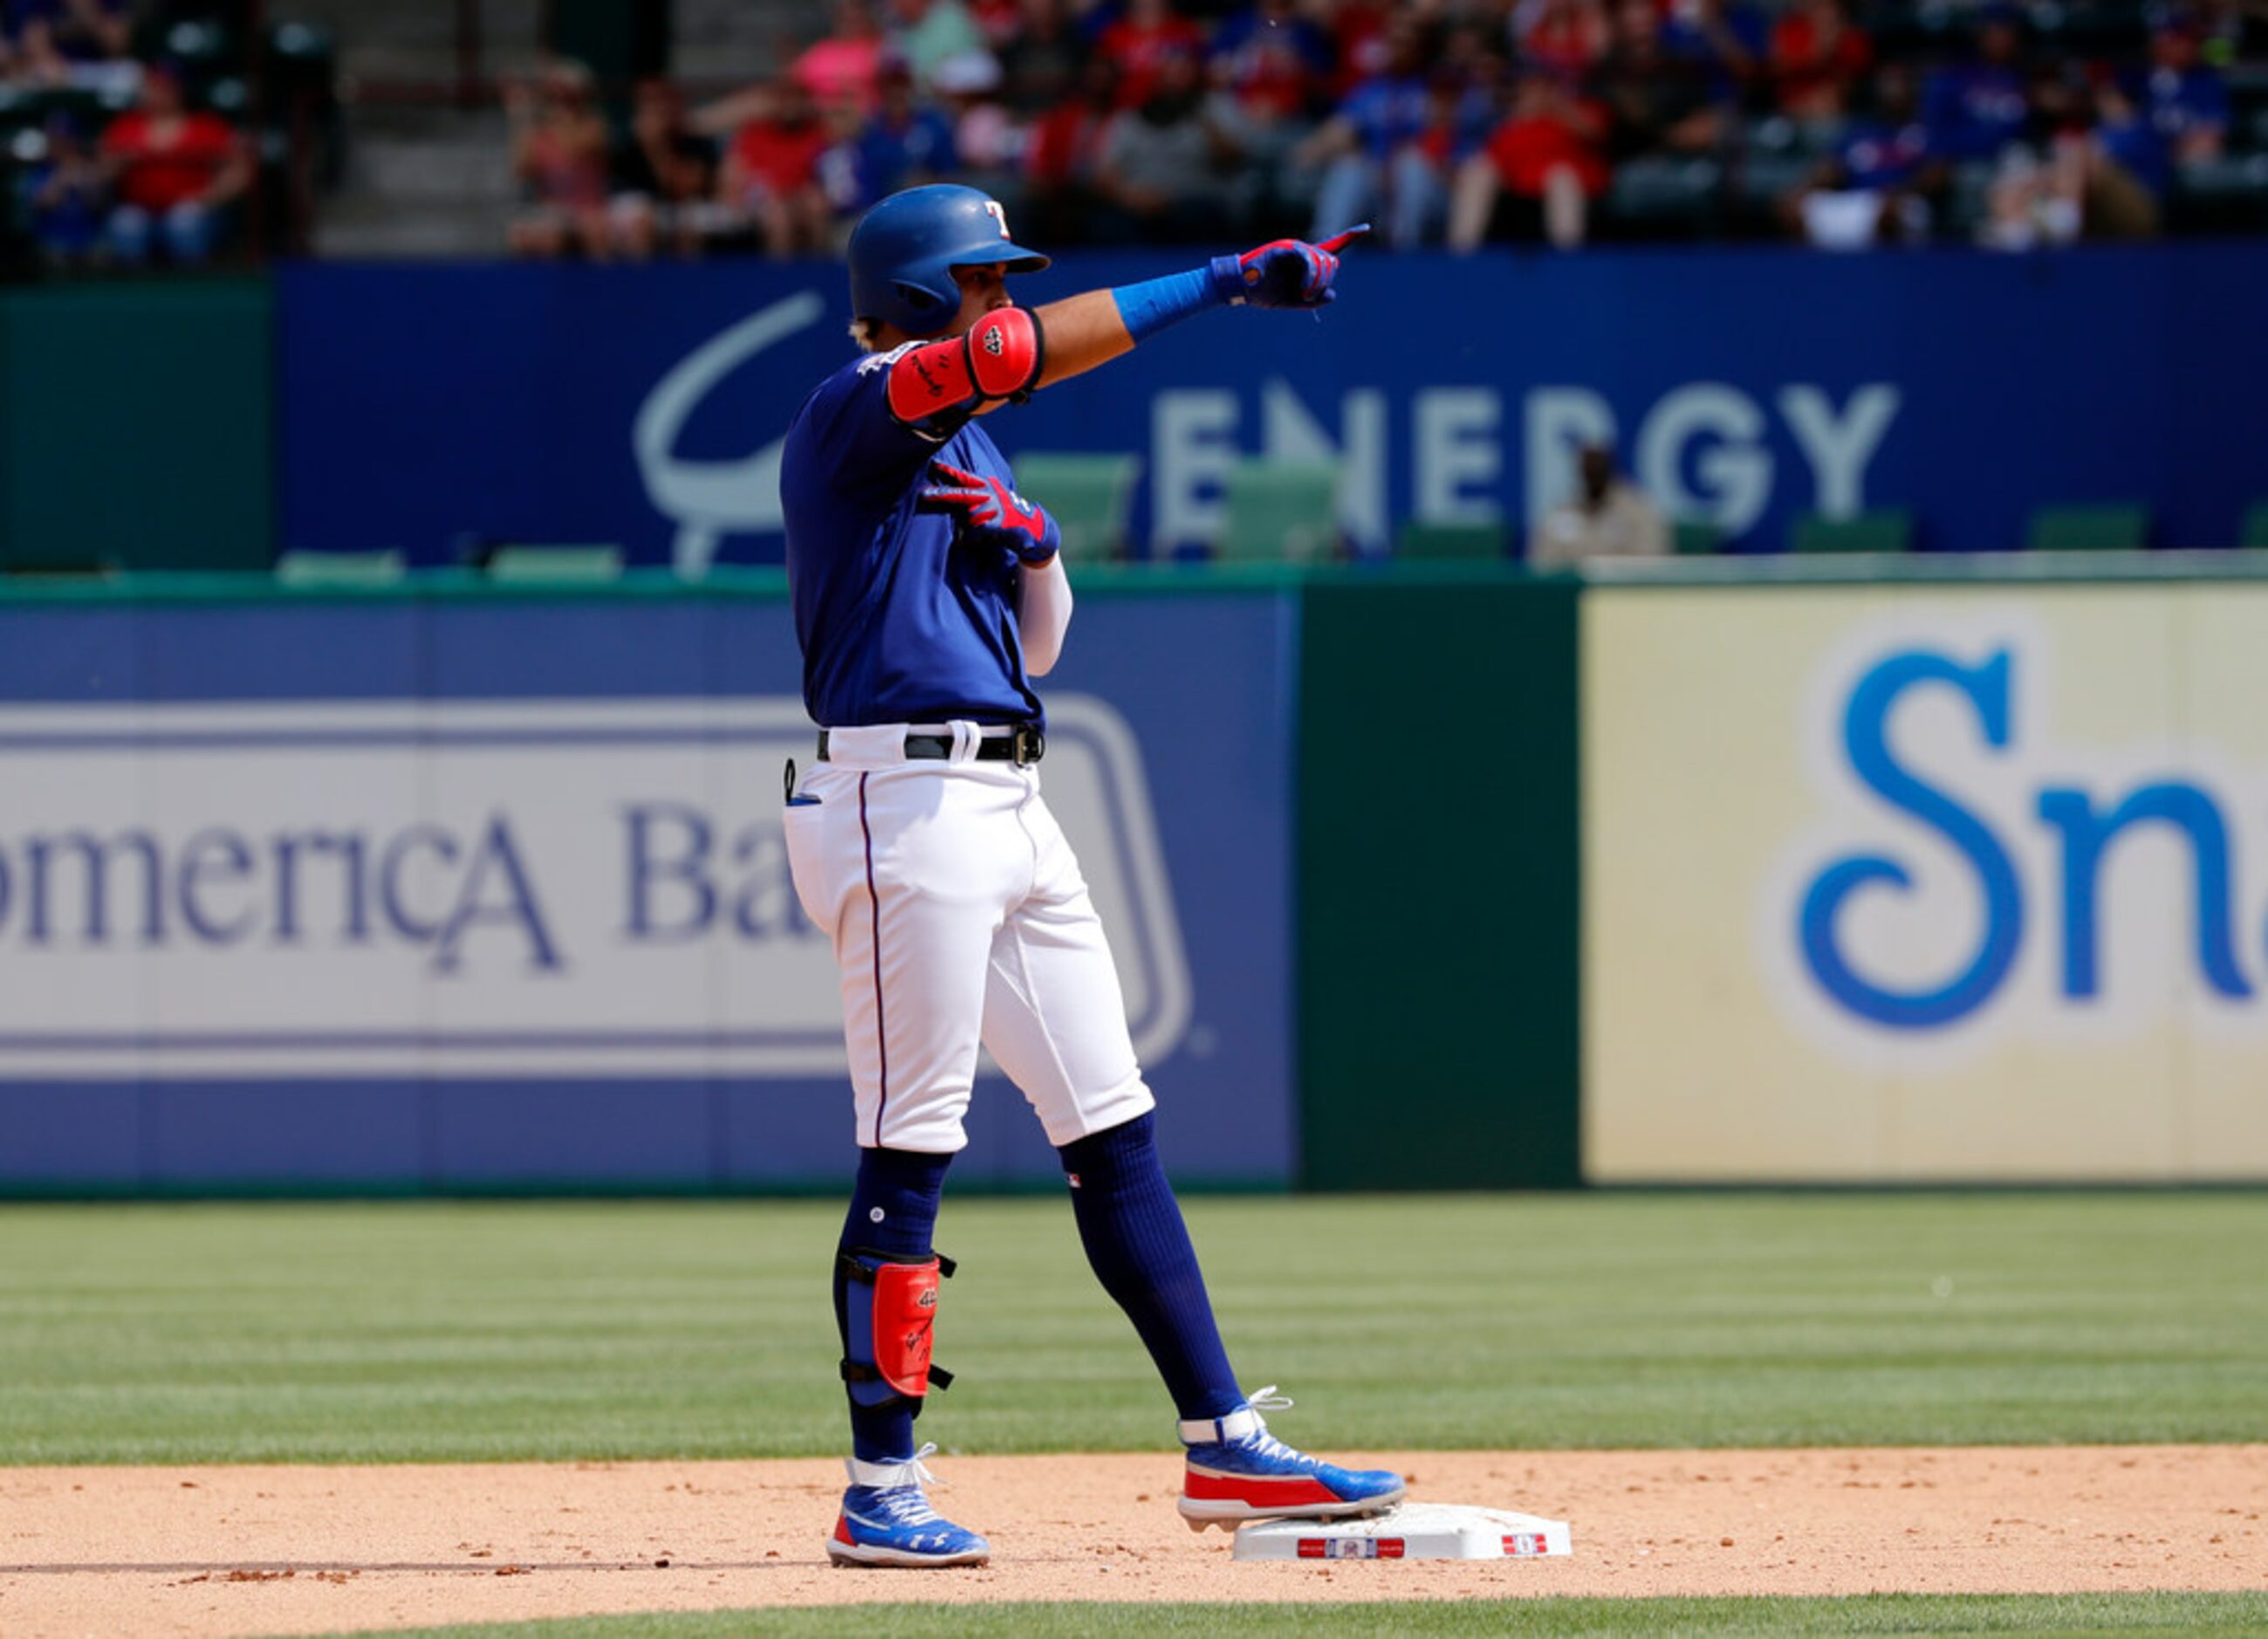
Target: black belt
1023	744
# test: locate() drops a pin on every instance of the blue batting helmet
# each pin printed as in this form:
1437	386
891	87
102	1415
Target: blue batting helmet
905	250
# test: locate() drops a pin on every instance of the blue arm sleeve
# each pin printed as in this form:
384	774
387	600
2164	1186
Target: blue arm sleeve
1150	306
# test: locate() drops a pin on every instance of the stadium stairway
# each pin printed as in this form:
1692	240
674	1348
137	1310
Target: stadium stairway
426	179
423	178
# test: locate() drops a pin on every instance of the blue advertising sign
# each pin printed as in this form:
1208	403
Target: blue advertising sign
493	894
644	406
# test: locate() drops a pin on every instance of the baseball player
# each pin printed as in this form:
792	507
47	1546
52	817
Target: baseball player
928	595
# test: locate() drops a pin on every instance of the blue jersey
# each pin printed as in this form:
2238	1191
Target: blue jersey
898	624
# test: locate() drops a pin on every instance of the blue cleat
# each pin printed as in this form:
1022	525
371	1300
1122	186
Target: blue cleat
1239	1471
886	1520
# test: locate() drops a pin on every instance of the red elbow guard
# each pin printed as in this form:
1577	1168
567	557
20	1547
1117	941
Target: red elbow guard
999	358
1005	351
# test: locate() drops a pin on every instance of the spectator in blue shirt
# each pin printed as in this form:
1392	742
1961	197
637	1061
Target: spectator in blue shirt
70	39
2128	171
2185	102
69	197
1976	110
906	142
1887	147
1374	151
1881	183
1729	39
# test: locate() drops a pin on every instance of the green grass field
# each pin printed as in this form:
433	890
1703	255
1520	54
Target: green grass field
414	1332
411	1331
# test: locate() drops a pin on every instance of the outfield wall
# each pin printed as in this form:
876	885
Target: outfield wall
427	409
137	425
477	892
645	405
1434	878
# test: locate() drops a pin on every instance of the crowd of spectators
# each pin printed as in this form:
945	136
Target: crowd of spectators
123	167
1446	122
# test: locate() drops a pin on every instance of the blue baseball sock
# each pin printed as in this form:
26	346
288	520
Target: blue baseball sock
893	1210
1140	1250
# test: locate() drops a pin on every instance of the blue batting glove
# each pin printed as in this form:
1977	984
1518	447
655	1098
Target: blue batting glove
988	512
1284	272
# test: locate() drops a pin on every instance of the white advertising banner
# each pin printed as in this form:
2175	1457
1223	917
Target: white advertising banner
465	889
1925	882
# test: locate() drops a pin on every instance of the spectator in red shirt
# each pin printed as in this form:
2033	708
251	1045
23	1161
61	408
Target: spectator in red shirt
1565	37
771	172
1548	157
1141	41
559	156
1358	30
1818	57
174	174
1273	60
1000	21
1062	149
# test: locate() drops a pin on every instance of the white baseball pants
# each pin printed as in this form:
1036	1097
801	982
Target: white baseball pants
958	915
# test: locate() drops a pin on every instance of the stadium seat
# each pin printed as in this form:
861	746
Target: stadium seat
1889	531
2108	528
556	565
197	45
1767	178
2255	527
1424	540
1283	510
340	569
2227	194
1658	196
1087	495
1696	537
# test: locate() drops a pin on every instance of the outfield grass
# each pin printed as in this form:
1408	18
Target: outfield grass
2202	1613
423	1331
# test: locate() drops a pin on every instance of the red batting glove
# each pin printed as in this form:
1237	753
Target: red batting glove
989	511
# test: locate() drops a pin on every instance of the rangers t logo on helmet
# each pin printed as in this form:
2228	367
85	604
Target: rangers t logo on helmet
903	251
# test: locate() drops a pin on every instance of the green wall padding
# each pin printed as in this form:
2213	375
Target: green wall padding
1438	903
137	426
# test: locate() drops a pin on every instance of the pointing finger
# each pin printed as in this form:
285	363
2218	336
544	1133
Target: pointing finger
1339	241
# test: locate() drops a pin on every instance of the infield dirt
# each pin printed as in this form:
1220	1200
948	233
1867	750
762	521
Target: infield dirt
292	1550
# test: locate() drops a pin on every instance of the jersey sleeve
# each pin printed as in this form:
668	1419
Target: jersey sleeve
857	438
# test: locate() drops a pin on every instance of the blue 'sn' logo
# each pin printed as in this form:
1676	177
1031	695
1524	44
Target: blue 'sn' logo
2081	830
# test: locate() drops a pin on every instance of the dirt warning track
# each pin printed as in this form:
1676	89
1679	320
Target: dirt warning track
291	1550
